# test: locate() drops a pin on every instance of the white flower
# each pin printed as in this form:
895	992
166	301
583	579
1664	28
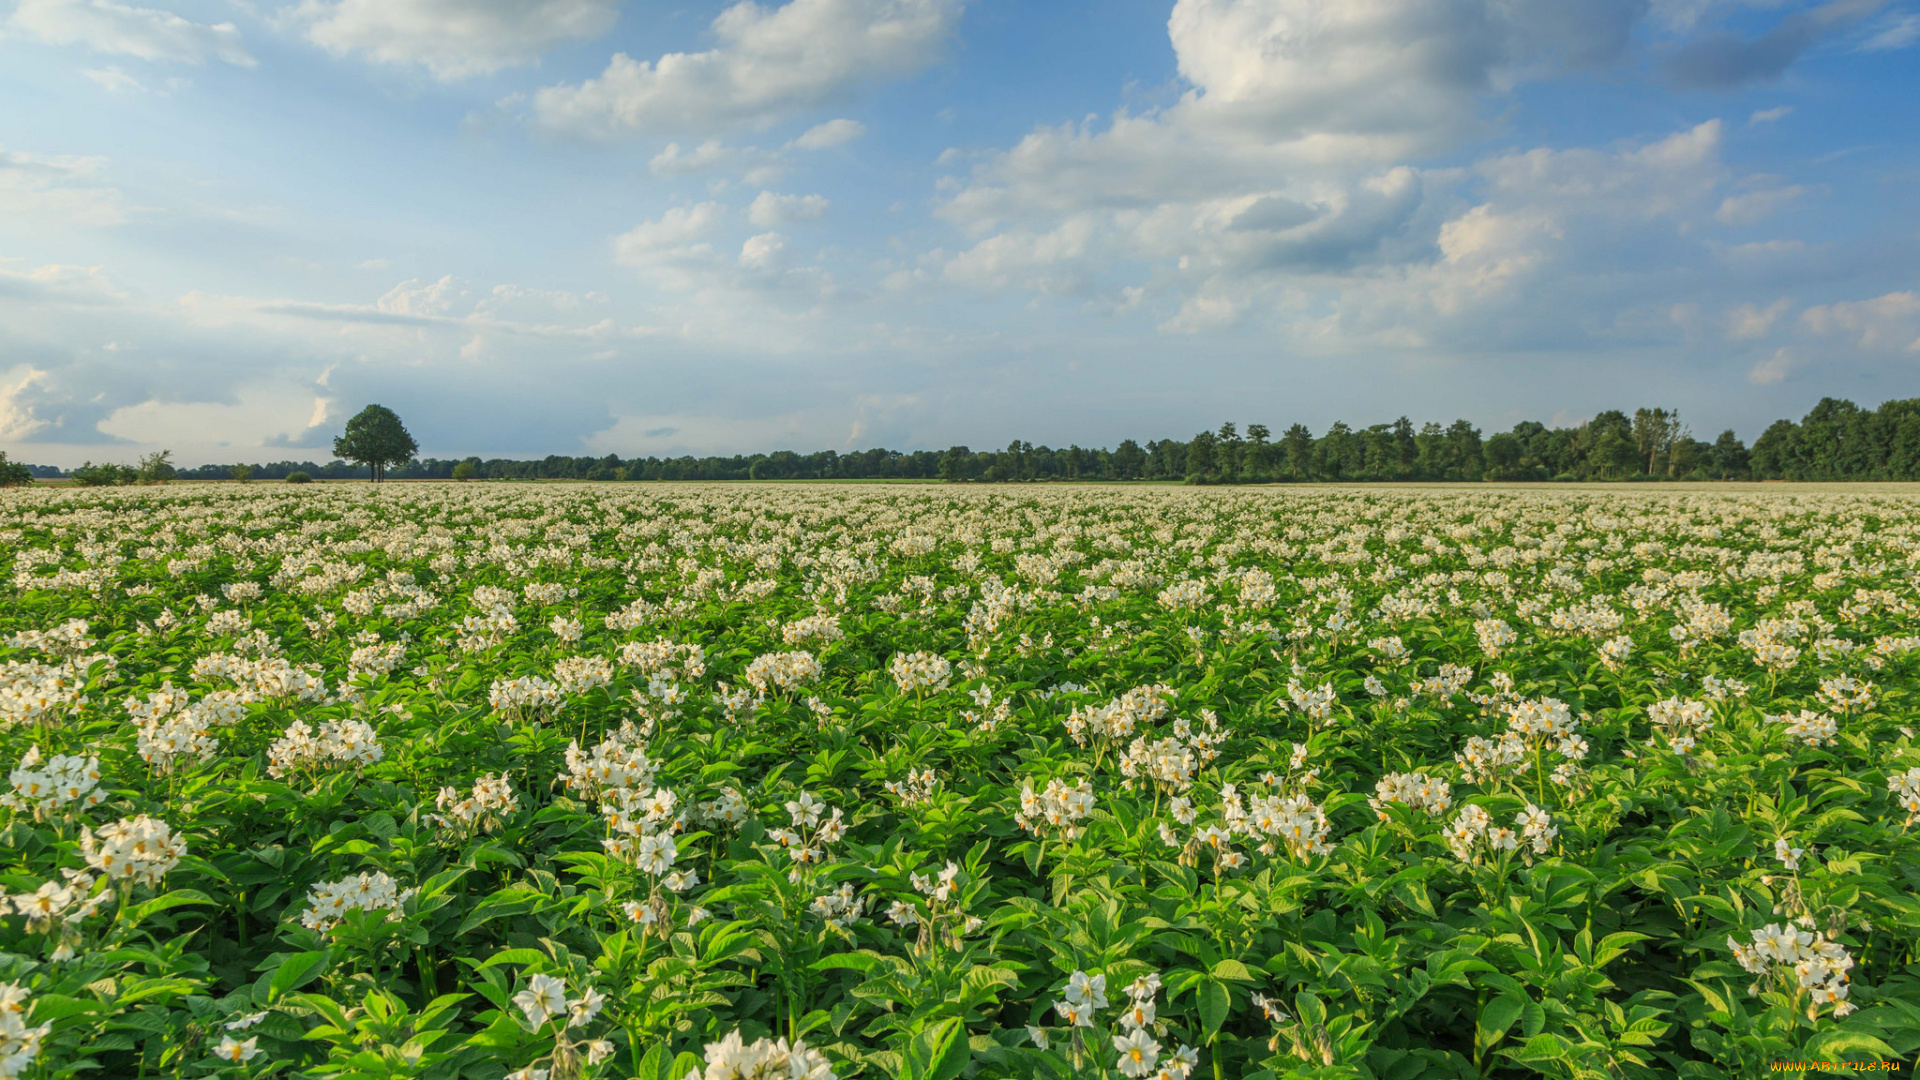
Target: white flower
1138	1052
1088	990
544	998
235	1051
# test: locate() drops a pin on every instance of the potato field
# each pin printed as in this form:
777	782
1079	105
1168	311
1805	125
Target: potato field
922	782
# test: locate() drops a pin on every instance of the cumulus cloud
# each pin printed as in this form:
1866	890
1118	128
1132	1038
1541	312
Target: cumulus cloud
1888	323
125	30
672	234
769	209
19	385
767	251
768	64
453	39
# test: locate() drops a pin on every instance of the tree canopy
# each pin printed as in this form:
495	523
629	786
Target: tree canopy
376	438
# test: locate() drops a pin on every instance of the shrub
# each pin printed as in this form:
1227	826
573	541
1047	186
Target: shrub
297	477
104	475
155	468
463	471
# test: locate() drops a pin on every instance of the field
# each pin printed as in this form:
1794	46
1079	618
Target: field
927	782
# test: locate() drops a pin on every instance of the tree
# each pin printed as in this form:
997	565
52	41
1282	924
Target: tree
1200	458
464	470
242	473
14	473
376	438
1729	456
1298	442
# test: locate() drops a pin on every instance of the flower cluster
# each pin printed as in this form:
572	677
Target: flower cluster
920	672
19	1044
137	849
337	742
328	902
1809	727
523	697
917	789
1473	833
44	786
815	825
732	1058
491	801
782	672
1058	809
1800	959
1416	789
1679	723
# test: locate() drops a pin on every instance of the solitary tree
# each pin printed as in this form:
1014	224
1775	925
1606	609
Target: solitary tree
376	438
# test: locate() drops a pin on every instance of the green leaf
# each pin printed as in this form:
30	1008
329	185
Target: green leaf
174	899
1215	1003
1498	1015
1835	1045
516	956
938	1052
1232	969
657	1064
296	971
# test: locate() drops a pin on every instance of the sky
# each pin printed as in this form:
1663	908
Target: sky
538	227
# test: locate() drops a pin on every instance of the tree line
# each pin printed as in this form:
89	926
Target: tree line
1837	440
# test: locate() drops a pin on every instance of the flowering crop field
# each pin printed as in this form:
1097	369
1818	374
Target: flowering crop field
933	782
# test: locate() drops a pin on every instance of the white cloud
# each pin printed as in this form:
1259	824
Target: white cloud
114	81
421	298
672	233
1768	116
1885	323
258	415
18	387
769	209
1752	206
121	29
1746	321
1900	30
64	187
767	251
768	64
829	135
453	39
754	165
1773	369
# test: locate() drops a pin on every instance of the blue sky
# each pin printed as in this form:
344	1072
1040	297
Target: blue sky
587	226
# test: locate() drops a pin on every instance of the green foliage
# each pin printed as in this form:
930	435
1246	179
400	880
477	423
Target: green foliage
13	473
563	798
298	477
376	438
105	475
155	468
